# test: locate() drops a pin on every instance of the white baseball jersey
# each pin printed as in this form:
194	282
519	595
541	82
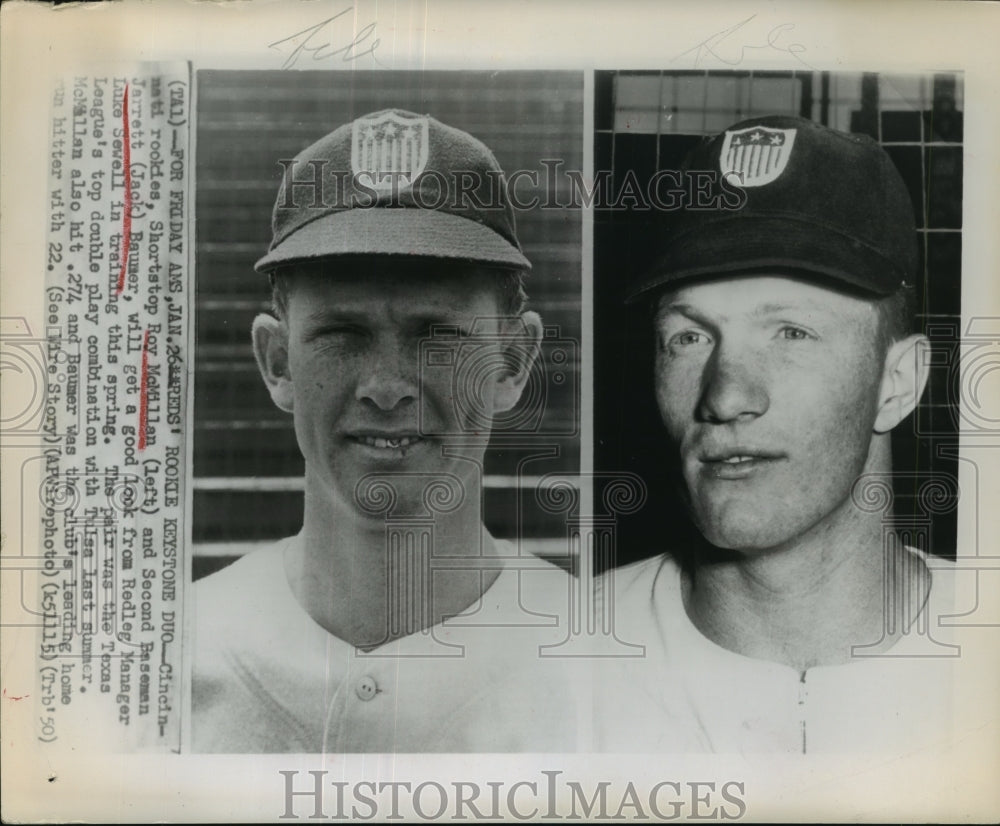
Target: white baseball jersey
267	678
688	694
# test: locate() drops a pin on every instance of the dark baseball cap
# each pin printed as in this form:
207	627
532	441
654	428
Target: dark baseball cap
394	183
820	204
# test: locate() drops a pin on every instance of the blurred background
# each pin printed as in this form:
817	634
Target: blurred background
247	474
647	121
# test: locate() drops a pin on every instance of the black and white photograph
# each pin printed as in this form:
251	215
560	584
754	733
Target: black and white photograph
413	287
786	346
434	411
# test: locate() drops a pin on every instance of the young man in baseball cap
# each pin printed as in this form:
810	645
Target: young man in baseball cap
784	359
393	621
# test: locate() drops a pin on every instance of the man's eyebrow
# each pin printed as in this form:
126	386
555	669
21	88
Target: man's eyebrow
333	315
770	308
686	310
783	307
328	315
443	319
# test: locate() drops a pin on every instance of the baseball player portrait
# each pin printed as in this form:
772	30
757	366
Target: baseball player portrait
394	620
785	355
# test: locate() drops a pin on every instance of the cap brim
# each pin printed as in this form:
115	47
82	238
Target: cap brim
735	245
395	231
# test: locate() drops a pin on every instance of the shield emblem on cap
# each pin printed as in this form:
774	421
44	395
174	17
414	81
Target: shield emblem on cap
389	150
758	155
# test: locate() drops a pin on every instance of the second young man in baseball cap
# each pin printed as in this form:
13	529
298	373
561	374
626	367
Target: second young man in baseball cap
784	358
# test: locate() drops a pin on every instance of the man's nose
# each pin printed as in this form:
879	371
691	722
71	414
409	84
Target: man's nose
734	386
389	376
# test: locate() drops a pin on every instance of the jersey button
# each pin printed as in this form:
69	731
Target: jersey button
366	689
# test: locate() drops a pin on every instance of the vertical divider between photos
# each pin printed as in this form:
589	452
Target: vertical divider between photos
586	578
590	529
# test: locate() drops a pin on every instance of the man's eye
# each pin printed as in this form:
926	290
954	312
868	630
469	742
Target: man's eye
688	338
335	331
444	335
795	333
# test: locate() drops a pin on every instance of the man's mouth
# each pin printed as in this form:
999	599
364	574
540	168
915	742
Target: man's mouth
737	464
387	442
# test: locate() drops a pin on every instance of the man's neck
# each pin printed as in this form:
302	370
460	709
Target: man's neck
813	602
369	582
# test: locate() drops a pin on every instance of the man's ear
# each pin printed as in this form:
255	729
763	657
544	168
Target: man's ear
904	377
521	345
270	348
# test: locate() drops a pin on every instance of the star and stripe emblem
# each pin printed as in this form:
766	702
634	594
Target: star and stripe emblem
758	154
389	150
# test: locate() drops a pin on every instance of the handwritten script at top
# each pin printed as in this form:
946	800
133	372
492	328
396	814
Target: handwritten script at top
731	51
317	42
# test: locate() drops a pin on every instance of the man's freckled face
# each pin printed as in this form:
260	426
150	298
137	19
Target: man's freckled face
770	388
362	404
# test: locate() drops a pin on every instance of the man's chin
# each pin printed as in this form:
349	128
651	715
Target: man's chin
740	534
411	494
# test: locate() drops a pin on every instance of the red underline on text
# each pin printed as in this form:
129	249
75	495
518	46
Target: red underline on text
12	697
127	217
143	382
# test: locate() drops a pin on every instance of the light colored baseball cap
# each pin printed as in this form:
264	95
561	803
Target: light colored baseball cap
394	183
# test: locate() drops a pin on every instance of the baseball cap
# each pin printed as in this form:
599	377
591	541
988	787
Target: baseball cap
394	182
820	204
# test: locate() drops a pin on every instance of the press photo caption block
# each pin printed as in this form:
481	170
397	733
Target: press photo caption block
108	460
